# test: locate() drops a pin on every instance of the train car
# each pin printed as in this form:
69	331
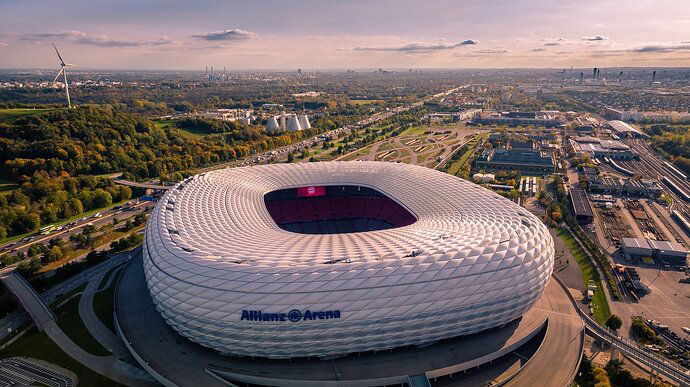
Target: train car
620	168
676	189
680	219
676	170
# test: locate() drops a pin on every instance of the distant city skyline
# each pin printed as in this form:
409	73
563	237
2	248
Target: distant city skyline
310	34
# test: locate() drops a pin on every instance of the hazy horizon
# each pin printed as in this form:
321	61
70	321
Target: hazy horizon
330	35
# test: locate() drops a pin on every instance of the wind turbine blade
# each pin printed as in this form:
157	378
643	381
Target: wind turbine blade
59	73
58	54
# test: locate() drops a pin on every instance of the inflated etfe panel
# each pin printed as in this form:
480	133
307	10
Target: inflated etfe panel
223	274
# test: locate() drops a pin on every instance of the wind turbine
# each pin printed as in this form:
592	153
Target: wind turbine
63	71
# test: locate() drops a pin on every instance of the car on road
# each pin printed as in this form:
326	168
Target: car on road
97	215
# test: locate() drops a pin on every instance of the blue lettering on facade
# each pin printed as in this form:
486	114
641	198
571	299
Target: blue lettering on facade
295	315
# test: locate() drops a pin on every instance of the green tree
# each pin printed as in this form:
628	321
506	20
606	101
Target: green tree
614	322
101	198
25	222
73	207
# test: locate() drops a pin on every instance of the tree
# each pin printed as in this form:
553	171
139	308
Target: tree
556	216
642	331
29	267
101	198
25	222
601	378
291	157
614	322
72	208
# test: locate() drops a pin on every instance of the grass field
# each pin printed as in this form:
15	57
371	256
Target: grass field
39	346
70	323
365	101
104	301
415	130
12	114
192	133
67	295
600	307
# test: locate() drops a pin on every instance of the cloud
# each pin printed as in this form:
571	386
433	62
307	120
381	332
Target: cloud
97	40
4	44
491	51
468	42
552	44
663	48
595	38
667	47
563	52
538	49
420	47
225	36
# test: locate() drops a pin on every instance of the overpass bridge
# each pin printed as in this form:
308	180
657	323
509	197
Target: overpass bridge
39	312
142	185
671	370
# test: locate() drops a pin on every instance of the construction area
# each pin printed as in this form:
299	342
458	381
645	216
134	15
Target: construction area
613	225
648	227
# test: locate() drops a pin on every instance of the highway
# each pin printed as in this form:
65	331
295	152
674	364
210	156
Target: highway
106	217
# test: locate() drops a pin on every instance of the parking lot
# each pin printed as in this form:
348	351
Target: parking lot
28	372
668	299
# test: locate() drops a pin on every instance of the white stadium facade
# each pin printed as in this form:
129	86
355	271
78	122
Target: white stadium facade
332	258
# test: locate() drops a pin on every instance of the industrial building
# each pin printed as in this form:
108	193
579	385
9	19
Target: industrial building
291	122
624	130
670	251
524	157
627	187
612	113
582	208
596	147
322	259
548	120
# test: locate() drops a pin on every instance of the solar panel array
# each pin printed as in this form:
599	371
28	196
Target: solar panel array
473	260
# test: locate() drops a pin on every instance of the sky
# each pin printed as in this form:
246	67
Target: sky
354	34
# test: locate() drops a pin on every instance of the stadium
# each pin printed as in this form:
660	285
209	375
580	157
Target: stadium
291	261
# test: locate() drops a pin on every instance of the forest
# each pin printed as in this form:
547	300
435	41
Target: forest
60	159
673	142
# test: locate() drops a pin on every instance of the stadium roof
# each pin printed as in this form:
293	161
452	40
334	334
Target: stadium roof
221	216
473	260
